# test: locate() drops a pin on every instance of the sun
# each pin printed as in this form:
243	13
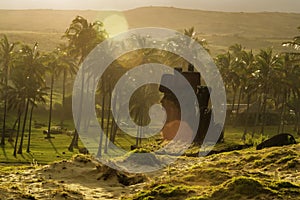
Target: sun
115	24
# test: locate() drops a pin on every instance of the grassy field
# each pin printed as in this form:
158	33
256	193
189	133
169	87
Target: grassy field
44	151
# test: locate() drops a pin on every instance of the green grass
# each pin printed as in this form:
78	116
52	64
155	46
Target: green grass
44	151
234	134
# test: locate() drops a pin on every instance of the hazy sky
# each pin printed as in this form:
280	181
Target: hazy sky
220	5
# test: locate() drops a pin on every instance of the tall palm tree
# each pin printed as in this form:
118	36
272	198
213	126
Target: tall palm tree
82	39
54	67
293	84
84	36
16	98
69	67
27	73
18	104
294	81
37	95
142	100
226	64
238	68
249	83
267	64
6	50
104	90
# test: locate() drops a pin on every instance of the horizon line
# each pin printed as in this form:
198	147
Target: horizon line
139	7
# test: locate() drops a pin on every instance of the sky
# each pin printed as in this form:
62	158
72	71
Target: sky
214	5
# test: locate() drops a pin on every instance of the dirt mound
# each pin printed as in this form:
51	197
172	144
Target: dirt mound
85	170
82	177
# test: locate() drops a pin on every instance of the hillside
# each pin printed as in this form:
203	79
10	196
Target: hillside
220	29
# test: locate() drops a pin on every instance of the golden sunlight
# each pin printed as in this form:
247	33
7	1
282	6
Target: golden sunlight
115	24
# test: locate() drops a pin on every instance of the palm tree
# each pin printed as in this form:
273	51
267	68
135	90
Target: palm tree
249	83
54	67
171	59
293	86
226	64
104	90
36	96
16	101
82	38
295	43
6	50
267	64
27	73
238	67
293	77
142	100
69	68
16	98
193	35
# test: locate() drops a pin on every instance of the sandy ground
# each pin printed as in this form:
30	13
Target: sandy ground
79	178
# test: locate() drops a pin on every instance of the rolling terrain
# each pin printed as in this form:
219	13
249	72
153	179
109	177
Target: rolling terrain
271	173
220	29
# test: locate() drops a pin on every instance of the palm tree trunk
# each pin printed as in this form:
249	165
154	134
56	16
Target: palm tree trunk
63	99
297	123
257	114
114	122
112	130
233	99
71	146
247	117
238	106
264	114
74	142
115	129
18	132
23	128
2	143
141	124
283	125
50	109
4	123
10	139
99	153
107	123
232	106
29	130
137	137
281	121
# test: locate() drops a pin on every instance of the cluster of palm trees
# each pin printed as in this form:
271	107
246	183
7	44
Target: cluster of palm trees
269	80
22	86
24	71
264	78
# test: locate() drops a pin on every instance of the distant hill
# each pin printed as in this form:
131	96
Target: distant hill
220	29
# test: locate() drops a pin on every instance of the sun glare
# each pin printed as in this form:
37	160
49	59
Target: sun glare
115	24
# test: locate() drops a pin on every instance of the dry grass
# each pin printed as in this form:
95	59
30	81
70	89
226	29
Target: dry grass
221	29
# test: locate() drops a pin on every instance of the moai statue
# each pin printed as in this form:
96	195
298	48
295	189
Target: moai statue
172	107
